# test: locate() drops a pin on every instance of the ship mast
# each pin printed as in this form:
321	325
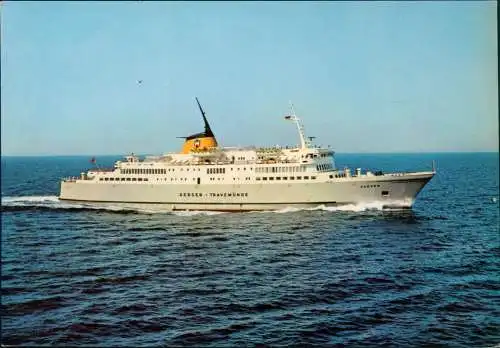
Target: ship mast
304	144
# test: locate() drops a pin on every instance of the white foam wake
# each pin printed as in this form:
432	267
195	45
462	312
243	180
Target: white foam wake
197	212
49	202
53	202
357	207
20	200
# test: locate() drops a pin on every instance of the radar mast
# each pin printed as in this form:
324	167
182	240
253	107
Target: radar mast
304	142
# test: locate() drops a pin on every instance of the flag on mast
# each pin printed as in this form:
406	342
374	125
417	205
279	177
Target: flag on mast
288	117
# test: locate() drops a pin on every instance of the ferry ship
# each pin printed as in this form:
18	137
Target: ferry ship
206	176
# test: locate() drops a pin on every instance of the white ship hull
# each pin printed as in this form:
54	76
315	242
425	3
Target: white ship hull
393	190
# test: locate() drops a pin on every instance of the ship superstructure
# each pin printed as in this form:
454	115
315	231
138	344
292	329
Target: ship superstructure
206	176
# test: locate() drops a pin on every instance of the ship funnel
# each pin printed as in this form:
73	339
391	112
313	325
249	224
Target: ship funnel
200	141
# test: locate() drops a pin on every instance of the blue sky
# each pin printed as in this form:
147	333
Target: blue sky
364	76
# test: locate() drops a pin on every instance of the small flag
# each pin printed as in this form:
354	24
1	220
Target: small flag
92	160
288	117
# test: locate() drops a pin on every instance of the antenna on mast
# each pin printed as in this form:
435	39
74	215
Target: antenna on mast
208	131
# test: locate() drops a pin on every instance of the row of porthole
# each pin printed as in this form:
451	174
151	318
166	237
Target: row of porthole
265	178
158	171
369	186
123	179
185	179
292	169
142	179
154	171
219	179
157	179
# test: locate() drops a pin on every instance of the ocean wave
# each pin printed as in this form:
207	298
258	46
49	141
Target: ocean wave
52	203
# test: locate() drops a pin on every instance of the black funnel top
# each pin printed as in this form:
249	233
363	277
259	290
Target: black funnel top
208	132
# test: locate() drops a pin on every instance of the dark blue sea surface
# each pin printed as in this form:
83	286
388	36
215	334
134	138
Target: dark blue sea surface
74	274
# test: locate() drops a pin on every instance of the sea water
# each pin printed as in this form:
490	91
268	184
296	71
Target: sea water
81	274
